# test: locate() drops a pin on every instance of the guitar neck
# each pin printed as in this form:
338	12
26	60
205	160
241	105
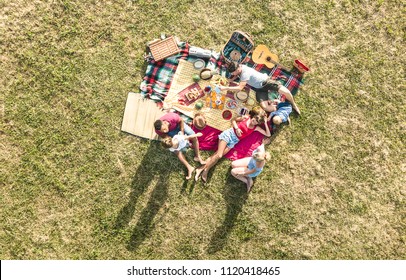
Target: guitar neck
268	59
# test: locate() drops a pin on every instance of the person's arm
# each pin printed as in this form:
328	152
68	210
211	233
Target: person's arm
240	86
235	126
182	126
199	134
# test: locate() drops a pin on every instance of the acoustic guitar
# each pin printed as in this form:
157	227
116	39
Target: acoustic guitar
262	55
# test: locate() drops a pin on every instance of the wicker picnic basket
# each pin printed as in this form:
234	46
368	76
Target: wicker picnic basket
238	47
164	48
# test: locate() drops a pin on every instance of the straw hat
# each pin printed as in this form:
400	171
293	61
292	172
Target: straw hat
199	122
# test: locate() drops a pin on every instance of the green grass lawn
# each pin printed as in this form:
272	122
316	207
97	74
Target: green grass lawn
73	186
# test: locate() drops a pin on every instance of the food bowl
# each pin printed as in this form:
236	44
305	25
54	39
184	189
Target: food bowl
241	96
206	74
227	115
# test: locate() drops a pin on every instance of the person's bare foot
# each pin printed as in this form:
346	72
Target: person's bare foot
199	159
190	172
198	172
296	109
204	176
250	182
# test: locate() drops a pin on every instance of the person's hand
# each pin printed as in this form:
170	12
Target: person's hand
221	87
199	134
238	132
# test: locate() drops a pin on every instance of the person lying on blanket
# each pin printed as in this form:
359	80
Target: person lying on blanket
245	169
280	116
179	144
172	124
242	127
262	84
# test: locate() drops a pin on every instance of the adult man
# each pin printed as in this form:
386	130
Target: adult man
262	85
172	124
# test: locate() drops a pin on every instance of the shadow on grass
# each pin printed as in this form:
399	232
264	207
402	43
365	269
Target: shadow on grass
152	167
235	198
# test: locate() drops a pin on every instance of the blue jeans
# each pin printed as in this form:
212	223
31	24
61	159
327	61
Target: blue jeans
187	129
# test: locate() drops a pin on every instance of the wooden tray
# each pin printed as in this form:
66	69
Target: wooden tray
182	99
164	48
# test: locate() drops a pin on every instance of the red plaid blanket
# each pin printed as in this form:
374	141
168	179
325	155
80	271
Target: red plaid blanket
159	74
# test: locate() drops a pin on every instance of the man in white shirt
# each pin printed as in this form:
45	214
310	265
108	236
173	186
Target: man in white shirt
261	83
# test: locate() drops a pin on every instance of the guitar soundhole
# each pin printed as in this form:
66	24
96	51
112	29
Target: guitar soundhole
268	59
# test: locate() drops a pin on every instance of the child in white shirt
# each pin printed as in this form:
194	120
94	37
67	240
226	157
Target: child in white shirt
179	144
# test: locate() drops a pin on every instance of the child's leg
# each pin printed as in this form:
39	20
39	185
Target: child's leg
243	162
189	131
183	160
195	143
236	172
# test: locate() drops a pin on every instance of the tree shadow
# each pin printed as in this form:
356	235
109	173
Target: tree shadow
152	168
235	198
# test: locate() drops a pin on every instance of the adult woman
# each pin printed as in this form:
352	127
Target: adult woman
242	127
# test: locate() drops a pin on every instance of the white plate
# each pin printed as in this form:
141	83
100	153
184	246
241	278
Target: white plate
199	63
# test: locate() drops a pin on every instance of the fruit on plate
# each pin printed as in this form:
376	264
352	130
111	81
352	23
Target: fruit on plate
231	104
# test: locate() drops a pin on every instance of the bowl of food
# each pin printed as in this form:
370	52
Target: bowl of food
241	96
231	104
206	74
227	114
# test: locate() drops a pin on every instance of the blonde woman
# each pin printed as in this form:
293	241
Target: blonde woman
246	169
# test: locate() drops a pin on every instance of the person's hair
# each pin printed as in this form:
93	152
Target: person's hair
257	110
261	156
232	67
158	125
272	119
258	114
167	142
274	85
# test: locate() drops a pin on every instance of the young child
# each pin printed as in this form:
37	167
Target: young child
179	144
246	169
